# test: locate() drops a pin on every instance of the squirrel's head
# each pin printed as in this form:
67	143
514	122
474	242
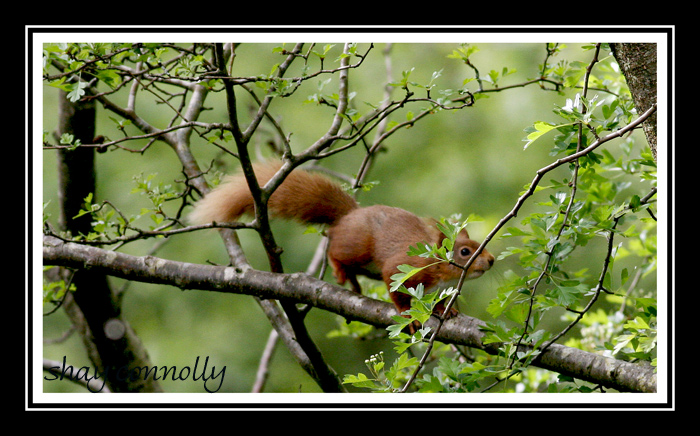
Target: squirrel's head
464	249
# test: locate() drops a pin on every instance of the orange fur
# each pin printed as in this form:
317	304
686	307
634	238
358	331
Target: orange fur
370	241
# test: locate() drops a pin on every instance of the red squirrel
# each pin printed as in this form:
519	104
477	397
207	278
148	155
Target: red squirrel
371	241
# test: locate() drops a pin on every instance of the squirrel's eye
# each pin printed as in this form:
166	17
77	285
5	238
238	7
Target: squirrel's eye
465	251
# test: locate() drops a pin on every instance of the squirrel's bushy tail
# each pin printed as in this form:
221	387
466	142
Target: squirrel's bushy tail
304	196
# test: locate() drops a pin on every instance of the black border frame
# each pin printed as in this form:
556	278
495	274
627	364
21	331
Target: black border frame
31	245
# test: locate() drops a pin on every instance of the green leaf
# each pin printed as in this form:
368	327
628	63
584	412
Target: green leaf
407	271
538	129
622	342
360	381
78	91
515	231
109	77
568	295
637	323
396	330
430	384
61	84
404	362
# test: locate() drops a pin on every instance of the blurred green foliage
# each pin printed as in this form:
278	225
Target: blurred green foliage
469	161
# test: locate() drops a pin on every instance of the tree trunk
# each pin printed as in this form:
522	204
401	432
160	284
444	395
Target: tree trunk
638	64
110	341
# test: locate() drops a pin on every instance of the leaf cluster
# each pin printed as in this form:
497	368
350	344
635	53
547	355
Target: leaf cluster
110	225
440	253
55	290
593	202
446	377
602	196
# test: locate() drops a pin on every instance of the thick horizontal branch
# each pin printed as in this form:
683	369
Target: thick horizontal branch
462	329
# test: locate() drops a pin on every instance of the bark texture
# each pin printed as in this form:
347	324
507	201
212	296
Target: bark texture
638	63
92	307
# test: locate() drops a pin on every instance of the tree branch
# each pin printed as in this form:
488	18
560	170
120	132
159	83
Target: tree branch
318	368
461	330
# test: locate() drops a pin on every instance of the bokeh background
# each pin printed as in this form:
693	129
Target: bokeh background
466	161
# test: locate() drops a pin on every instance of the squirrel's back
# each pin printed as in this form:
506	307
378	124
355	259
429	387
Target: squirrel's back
304	196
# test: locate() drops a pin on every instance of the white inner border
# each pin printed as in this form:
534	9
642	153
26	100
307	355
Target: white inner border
360	34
